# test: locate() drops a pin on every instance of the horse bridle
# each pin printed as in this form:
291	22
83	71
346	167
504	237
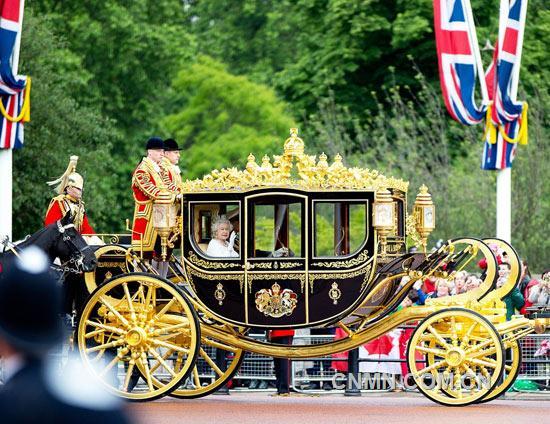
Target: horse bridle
76	261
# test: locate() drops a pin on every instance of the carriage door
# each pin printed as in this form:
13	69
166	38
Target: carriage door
275	262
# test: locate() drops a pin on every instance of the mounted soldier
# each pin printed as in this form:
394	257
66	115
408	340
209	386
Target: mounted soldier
69	190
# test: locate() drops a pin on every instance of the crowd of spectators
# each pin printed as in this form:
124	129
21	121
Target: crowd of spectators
528	294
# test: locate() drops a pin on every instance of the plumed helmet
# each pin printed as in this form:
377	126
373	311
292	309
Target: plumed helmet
70	177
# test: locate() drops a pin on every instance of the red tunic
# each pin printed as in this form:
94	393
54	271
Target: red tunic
147	184
58	208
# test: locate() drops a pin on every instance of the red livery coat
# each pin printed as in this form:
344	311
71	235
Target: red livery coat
148	182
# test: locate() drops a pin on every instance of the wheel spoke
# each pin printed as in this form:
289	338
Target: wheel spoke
150	298
170	346
196	377
479	346
164	356
162	362
466	338
129	373
94	333
454	336
129	301
123	320
211	362
147	371
110	365
424	349
484	363
165	330
487	352
219	345
104	346
105	327
165	308
432	367
438	337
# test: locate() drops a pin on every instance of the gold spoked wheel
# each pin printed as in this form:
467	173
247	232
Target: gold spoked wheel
214	367
463	353
136	329
511	371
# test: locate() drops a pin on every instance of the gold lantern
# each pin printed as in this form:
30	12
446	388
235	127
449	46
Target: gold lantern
424	215
164	219
383	217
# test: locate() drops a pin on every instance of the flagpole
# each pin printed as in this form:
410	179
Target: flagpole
504	176
6	155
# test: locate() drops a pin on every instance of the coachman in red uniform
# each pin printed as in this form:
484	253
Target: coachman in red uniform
69	188
148	181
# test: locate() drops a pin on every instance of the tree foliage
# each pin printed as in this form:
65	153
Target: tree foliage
219	118
60	126
226	78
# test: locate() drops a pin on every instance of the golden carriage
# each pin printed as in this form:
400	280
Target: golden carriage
319	245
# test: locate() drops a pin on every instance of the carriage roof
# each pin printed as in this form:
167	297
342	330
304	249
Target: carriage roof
297	170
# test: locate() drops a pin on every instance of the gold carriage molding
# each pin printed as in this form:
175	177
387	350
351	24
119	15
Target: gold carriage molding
311	174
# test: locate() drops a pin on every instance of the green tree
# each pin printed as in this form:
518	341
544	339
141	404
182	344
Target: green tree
219	118
59	127
417	141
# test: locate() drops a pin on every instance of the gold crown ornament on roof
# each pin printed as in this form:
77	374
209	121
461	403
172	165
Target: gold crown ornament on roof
294	169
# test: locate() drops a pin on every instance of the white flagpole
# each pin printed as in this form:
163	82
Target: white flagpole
6	155
504	176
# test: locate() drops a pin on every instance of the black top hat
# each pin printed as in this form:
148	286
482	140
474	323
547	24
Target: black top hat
30	304
154	143
171	145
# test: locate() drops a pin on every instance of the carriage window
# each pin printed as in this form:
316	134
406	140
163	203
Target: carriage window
213	226
277	230
340	227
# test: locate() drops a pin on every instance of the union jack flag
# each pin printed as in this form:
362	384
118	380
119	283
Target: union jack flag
12	87
456	49
503	78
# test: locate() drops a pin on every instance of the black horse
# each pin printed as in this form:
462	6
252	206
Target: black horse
58	240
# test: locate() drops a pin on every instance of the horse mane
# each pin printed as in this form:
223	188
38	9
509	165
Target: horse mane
31	238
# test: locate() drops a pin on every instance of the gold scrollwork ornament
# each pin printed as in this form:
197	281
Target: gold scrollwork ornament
276	303
335	293
219	294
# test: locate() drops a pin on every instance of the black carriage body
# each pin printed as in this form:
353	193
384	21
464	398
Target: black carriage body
322	278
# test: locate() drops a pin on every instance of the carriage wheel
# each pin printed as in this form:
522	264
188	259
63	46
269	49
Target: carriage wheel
511	371
464	357
208	375
136	329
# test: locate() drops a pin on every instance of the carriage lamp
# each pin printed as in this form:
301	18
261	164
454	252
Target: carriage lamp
164	219
383	217
424	215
